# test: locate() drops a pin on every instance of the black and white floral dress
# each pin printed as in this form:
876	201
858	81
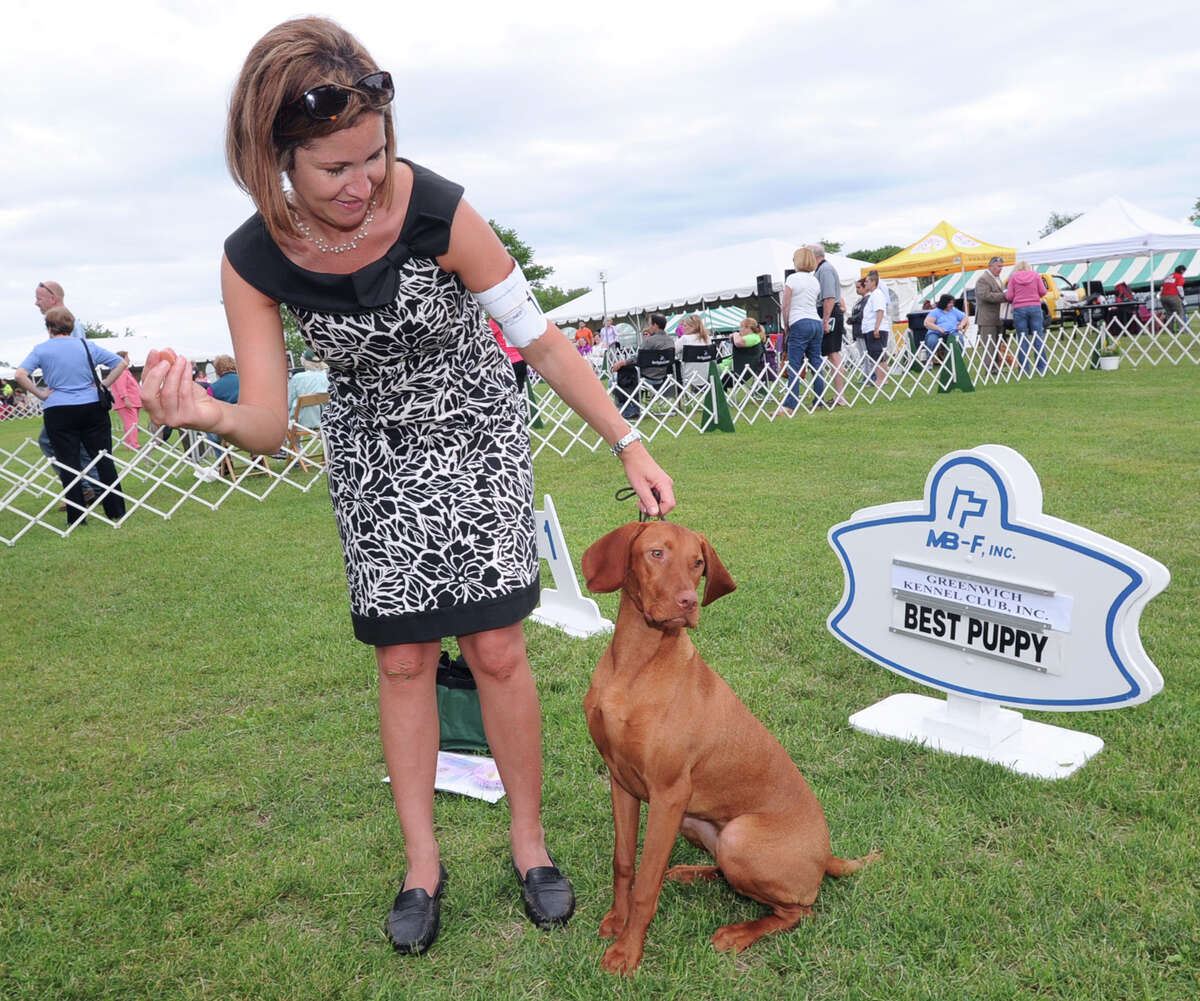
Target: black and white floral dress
427	450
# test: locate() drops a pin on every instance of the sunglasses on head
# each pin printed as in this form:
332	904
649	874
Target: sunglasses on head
326	102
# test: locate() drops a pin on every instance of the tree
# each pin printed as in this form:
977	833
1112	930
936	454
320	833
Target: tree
552	296
548	296
98	331
1195	216
1057	220
292	341
876	255
831	246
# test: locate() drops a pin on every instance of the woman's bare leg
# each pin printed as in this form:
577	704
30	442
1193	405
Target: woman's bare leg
512	720
408	726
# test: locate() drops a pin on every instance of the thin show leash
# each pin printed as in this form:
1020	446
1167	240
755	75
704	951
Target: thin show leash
625	493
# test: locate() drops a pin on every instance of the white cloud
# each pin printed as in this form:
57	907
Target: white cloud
604	134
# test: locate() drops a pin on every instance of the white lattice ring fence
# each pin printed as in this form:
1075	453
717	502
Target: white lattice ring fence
159	478
906	370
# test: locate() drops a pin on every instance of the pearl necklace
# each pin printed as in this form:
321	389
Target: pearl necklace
324	246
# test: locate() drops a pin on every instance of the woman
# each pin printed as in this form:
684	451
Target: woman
127	402
945	321
1025	290
693	373
799	306
386	269
72	410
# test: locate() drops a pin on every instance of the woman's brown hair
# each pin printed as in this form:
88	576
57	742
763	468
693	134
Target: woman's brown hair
288	60
60	320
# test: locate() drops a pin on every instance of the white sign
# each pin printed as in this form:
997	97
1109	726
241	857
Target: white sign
974	591
564	605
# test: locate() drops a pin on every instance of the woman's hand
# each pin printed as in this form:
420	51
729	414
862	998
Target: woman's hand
170	396
646	477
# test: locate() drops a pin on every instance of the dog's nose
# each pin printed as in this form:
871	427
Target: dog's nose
688	601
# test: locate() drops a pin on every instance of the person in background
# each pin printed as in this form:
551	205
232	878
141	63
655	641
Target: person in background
427	451
1171	297
694	373
989	297
832	313
609	338
654	336
72	409
48	296
519	367
313	377
749	334
877	326
800	304
127	402
1025	291
227	386
947	320
854	320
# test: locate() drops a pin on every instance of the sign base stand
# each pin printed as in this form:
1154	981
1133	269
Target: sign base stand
977	729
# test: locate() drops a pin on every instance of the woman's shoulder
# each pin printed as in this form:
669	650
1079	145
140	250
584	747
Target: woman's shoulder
431	207
253	254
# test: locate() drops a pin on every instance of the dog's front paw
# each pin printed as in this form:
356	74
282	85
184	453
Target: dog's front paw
734	937
612	924
622	958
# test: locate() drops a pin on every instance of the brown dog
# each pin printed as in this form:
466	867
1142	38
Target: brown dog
673	733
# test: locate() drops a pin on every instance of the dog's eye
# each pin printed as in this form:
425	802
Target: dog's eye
656	553
698	563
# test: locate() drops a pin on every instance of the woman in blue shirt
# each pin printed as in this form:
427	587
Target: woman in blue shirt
943	322
72	410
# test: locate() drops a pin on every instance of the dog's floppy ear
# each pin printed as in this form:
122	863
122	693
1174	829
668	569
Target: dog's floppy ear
606	560
717	582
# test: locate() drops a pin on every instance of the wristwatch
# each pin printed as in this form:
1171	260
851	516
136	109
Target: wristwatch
622	444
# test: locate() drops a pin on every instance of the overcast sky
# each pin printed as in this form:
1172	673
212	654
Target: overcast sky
607	134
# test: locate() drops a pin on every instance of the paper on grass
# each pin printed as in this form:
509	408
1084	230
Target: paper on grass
473	775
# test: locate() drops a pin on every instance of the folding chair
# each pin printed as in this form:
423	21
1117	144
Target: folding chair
256	466
298	434
655	366
696	358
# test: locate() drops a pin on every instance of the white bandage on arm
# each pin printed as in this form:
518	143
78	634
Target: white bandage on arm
512	305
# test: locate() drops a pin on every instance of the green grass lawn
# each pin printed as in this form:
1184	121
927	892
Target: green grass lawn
192	805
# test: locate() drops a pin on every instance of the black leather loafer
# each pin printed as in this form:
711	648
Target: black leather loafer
547	894
413	922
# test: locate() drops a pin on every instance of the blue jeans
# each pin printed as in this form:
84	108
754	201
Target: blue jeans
1027	323
934	337
804	344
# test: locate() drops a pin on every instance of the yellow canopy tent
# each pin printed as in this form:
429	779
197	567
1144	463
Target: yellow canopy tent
943	249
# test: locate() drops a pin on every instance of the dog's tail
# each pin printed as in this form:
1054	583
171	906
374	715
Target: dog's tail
841	867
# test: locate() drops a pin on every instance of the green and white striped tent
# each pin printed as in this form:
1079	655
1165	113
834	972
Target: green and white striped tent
1134	270
719	319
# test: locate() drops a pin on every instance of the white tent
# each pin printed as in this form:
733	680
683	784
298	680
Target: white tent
706	277
1114	228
